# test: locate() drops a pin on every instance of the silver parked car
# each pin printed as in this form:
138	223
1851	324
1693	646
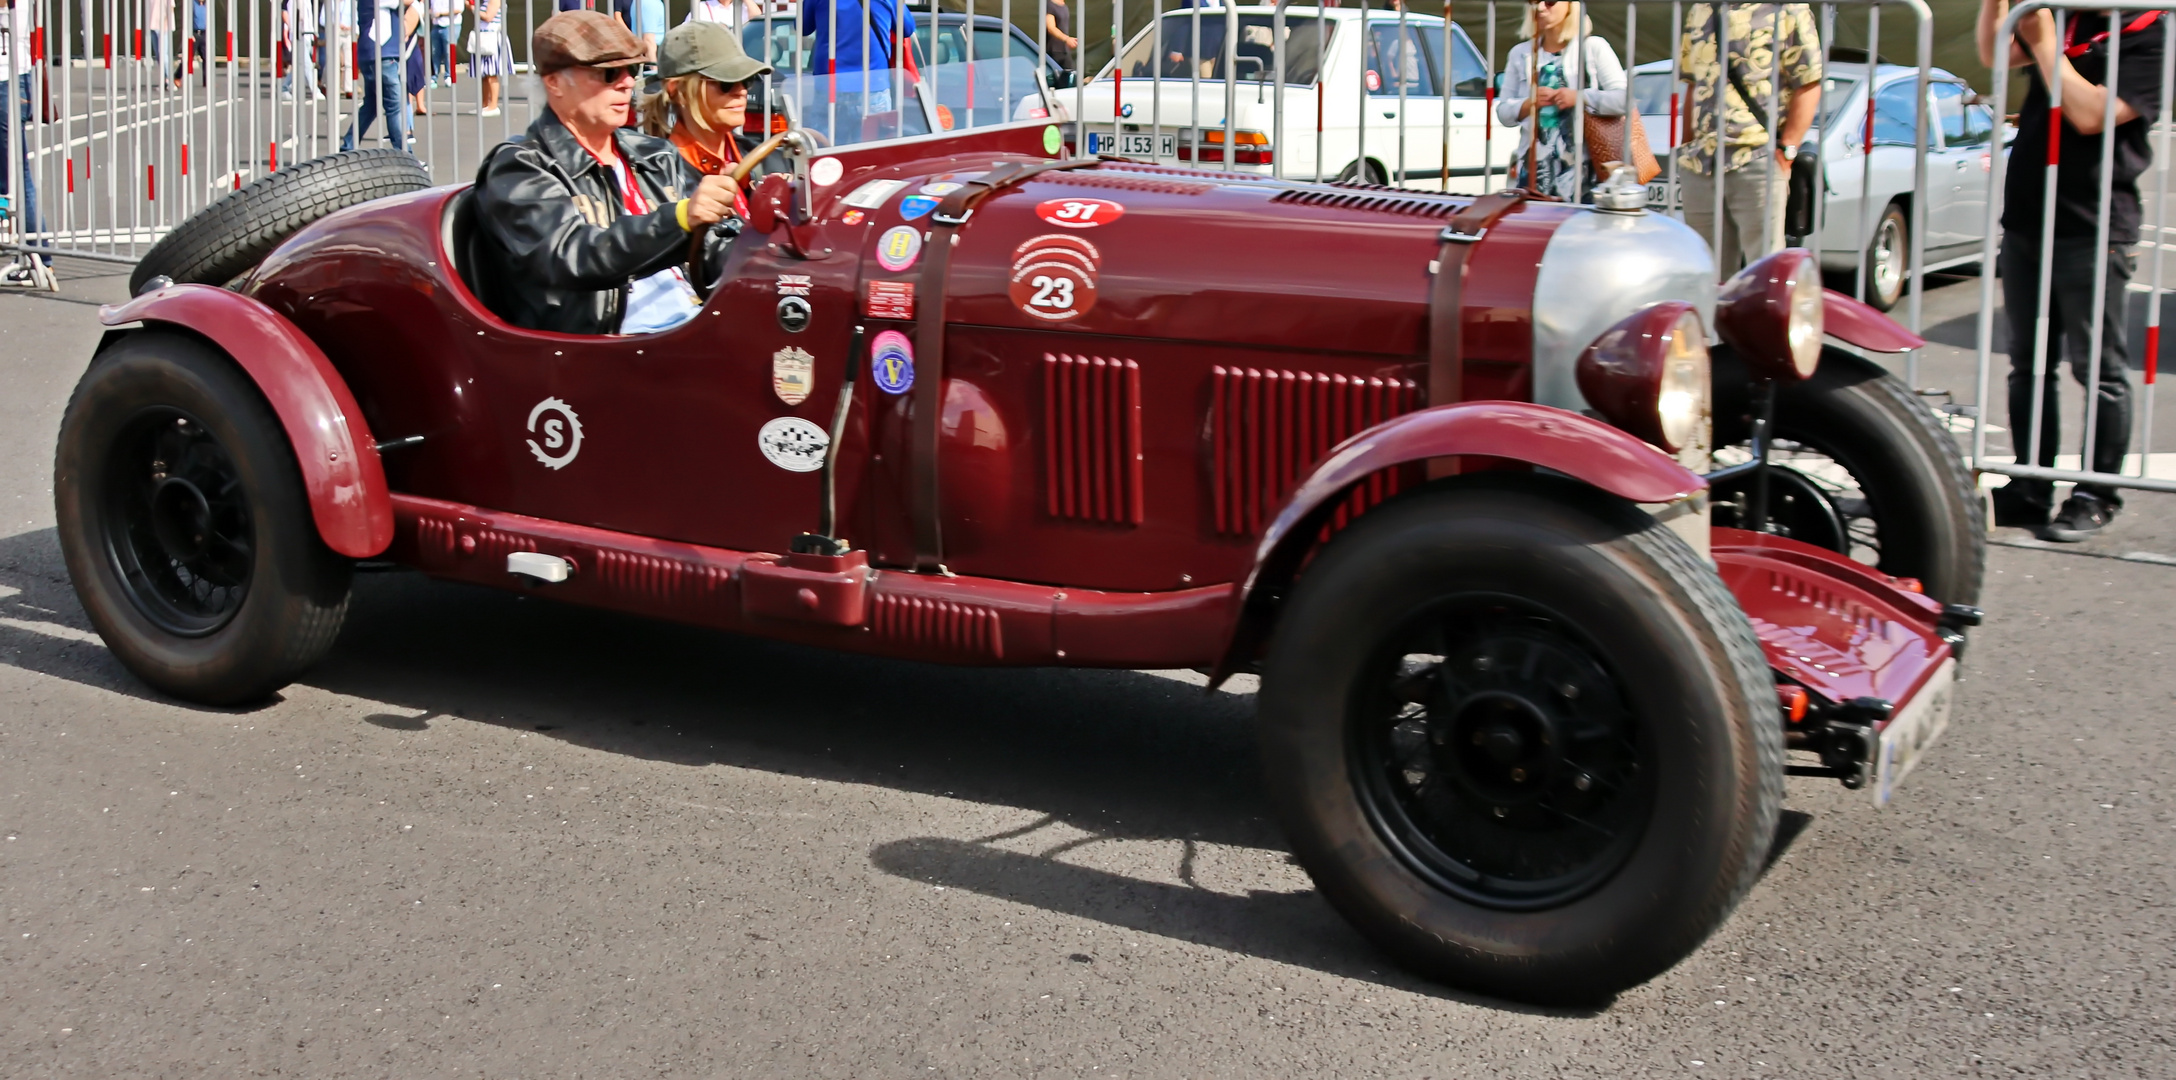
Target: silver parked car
1962	137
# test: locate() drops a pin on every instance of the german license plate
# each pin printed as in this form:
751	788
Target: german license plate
1145	144
1913	730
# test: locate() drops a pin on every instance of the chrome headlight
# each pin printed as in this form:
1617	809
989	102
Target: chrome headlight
1771	312
1649	375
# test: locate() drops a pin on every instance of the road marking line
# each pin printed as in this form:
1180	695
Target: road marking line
53	630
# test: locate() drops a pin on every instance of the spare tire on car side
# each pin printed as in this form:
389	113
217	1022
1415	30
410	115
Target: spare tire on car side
224	240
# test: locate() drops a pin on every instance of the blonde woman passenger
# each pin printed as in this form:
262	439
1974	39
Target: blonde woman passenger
1538	95
708	82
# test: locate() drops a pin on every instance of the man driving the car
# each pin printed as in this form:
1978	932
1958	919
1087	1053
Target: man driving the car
586	225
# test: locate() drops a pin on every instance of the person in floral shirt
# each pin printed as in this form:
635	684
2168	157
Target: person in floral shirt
1764	39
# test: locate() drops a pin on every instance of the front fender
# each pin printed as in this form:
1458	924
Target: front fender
1857	323
1539	435
341	472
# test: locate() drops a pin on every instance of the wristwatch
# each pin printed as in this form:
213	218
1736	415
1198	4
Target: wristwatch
1790	153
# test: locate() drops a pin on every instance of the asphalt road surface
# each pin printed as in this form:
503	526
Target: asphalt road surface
500	837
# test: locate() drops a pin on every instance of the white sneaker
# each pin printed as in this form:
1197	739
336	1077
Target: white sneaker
18	274
492	111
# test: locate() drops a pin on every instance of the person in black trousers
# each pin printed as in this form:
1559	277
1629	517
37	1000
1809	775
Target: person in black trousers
2079	59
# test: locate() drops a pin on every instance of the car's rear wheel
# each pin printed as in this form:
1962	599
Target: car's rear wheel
1364	172
1522	737
1863	467
1888	258
185	526
224	240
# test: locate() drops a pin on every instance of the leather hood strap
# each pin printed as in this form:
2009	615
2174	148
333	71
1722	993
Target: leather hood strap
946	221
1446	301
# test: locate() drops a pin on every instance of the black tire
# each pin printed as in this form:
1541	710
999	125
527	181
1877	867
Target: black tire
224	240
1668	731
1910	506
1888	258
1364	172
185	526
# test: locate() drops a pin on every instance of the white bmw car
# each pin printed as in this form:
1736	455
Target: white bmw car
1379	103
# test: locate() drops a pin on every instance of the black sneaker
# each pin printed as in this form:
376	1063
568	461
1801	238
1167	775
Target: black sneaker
2082	518
2013	509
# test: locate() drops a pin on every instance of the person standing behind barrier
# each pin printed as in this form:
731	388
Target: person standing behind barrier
2080	61
864	77
158	31
490	56
298	26
1555	173
15	115
385	25
445	26
1764	40
198	17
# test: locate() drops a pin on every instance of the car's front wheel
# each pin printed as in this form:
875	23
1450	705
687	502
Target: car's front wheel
185	526
1522	737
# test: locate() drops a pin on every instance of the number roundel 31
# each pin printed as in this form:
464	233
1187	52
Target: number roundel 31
1079	213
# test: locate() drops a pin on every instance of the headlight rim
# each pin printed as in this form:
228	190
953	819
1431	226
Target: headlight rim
1622	371
1758	310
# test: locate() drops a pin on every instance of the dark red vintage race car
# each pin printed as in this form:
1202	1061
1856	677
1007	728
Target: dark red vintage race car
1536	638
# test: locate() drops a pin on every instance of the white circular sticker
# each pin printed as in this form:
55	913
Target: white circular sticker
826	171
793	444
560	430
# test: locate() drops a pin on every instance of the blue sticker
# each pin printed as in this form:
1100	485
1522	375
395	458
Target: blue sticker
891	362
914	206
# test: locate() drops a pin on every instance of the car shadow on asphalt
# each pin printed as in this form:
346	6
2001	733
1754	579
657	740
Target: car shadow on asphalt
1118	755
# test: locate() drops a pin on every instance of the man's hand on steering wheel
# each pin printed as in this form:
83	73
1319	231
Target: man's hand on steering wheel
711	203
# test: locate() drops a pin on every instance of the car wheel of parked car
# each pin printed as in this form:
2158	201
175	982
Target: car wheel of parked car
1522	737
224	240
1888	258
1365	172
185	526
1857	448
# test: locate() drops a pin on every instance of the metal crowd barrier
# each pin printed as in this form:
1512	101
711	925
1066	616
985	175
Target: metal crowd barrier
2028	450
137	120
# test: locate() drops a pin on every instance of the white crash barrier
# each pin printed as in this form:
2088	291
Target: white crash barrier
2140	468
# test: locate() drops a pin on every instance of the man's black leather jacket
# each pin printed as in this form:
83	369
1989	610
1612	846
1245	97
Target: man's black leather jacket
557	250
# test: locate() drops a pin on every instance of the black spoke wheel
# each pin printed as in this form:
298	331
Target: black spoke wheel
185	525
1856	442
1502	761
182	541
1521	736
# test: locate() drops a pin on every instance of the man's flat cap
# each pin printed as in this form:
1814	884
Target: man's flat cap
583	38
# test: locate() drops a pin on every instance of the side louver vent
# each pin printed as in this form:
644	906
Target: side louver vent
1372	198
1268	428
1092	438
967	630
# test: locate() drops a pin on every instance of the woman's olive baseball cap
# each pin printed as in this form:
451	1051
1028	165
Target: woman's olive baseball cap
711	50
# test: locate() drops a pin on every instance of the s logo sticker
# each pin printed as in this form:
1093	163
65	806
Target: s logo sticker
560	430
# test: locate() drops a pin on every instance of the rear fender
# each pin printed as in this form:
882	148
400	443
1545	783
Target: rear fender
1539	435
1857	323
341	472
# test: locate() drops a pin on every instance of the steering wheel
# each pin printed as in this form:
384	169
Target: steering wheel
755	157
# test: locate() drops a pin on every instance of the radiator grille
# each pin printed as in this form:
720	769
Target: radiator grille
945	625
1092	438
1268	428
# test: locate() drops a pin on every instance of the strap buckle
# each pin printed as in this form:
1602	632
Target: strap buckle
1451	235
942	218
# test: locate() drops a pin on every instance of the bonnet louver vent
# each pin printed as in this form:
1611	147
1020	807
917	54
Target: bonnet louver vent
1368	200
